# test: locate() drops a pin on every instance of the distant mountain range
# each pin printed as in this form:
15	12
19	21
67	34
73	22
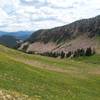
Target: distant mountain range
22	35
79	34
11	39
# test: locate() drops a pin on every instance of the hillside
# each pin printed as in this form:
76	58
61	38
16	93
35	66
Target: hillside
33	77
80	34
9	41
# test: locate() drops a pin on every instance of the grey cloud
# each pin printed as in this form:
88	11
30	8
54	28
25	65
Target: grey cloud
98	9
9	9
46	19
59	7
35	3
3	26
75	3
45	3
56	7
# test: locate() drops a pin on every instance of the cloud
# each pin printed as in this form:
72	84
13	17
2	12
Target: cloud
18	15
36	3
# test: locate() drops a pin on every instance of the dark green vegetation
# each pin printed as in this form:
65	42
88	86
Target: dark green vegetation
47	78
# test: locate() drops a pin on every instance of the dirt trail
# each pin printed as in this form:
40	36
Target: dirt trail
38	64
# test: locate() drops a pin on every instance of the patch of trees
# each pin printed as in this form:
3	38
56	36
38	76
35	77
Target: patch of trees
30	52
72	54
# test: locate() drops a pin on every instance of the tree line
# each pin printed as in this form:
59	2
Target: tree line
77	53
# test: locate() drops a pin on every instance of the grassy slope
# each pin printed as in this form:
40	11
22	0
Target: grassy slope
50	79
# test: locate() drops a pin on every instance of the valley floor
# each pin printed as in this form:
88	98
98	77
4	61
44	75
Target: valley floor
35	77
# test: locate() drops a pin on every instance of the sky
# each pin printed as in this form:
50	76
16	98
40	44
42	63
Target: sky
30	15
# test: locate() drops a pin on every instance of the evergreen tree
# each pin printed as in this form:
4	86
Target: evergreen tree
88	51
68	54
62	55
82	52
75	54
30	52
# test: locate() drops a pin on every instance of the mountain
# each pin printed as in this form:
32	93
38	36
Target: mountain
79	34
9	41
22	35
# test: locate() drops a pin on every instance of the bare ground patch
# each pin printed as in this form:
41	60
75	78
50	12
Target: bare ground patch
94	72
9	95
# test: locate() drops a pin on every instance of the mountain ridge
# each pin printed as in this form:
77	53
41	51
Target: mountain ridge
68	31
79	34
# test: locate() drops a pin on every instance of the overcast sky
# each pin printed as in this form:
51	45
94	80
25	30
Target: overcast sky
20	15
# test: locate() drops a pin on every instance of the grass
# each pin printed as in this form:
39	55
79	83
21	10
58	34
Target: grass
48	78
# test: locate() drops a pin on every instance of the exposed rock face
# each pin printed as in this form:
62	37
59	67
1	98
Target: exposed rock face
86	29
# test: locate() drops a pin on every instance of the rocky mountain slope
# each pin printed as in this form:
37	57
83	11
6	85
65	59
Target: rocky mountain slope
79	34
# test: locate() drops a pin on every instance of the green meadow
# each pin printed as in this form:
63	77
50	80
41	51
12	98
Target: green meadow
44	78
